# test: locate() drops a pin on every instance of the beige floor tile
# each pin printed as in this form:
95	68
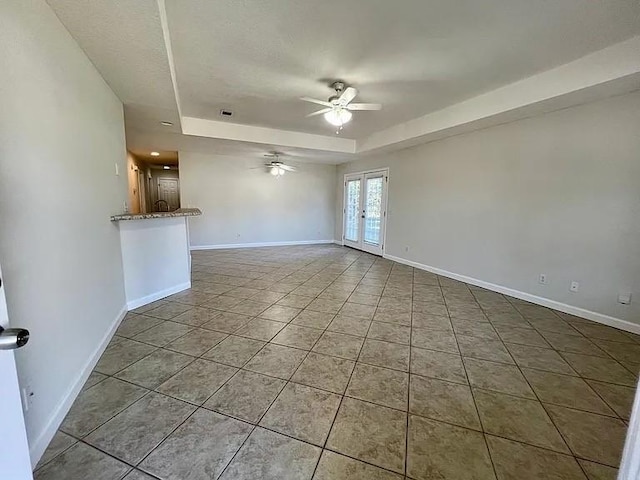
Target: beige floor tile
168	310
602	332
223	302
441	340
98	404
325	306
82	461
200	448
349	325
134	324
227	322
539	358
597	471
155	368
379	385
522	336
196	342
133	433
246	396
267	296
440	450
483	349
333	466
260	329
396	317
234	350
309	318
357	310
623	352
371	433
590	436
196	316
339	345
573	344
427	320
297	336
197	381
249	307
302	412
122	354
276	361
390	333
518	419
565	390
603	369
295	301
497	377
474	329
618	397
445	401
513	460
324	372
441	365
280	313
59	443
385	354
268	455
163	333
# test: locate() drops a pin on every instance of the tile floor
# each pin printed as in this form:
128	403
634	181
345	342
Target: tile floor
321	362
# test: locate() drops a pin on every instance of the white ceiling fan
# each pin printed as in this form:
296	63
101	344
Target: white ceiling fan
338	108
276	167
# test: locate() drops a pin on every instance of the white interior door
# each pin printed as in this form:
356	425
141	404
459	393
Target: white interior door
169	191
365	200
14	450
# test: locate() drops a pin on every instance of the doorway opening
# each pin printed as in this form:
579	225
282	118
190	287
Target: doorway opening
365	210
154	181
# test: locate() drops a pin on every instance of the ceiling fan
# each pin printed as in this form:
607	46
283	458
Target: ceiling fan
276	167
338	108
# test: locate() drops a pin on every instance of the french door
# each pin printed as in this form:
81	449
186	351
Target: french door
365	205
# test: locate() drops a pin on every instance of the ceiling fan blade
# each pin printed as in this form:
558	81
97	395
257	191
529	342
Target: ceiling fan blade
364	106
288	168
348	95
319	112
315	100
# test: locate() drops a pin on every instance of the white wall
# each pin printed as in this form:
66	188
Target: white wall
556	194
241	205
61	133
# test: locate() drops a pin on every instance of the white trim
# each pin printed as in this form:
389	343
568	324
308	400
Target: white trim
545	302
260	244
139	302
630	464
37	448
339	242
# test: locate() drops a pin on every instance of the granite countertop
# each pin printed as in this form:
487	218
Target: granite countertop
181	212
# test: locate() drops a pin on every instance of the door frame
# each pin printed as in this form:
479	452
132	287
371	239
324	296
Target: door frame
385	205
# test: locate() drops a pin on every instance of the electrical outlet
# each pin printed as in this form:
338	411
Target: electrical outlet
574	287
27	397
542	279
624	298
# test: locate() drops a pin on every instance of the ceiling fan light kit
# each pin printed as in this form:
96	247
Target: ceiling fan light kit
338	107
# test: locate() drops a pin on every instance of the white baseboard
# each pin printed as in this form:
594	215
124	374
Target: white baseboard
545	302
339	242
138	302
260	244
37	448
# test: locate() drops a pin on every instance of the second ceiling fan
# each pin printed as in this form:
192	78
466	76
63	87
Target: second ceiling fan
338	108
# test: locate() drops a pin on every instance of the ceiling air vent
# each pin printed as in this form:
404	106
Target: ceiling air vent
225	113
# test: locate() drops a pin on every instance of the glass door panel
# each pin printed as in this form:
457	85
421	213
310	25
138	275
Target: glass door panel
352	211
373	210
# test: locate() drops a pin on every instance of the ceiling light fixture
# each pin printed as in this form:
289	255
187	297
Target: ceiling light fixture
338	116
166	124
277	171
167	167
155	154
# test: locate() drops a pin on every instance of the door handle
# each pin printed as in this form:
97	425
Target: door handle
11	338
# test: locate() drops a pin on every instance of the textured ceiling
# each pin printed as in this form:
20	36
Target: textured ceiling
258	57
414	56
